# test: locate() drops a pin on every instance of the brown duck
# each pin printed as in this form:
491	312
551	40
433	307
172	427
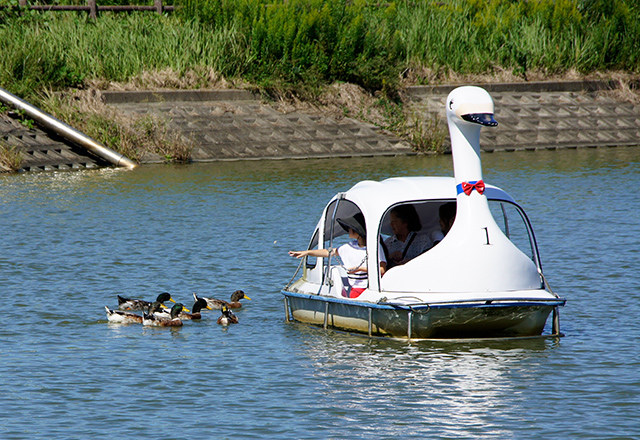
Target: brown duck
227	317
216	304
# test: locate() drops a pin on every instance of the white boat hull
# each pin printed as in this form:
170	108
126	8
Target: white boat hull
476	319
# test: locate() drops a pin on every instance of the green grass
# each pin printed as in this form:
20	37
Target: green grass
307	43
58	50
11	157
300	46
370	43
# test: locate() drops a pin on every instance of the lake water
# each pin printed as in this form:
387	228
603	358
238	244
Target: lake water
72	241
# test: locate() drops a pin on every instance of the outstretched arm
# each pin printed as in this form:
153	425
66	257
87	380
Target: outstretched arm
312	253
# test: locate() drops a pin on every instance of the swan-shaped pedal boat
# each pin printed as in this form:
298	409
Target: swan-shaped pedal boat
478	277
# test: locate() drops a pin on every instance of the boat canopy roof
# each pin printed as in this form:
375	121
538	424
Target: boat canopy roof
401	189
375	198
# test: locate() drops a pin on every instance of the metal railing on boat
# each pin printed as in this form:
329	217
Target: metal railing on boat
425	307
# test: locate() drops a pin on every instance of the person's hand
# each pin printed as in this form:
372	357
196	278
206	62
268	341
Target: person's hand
357	269
297	254
396	256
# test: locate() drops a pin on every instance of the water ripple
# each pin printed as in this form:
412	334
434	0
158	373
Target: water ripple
72	241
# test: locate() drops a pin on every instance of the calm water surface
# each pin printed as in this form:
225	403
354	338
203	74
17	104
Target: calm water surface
72	241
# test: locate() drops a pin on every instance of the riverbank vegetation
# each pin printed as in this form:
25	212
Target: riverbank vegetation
295	49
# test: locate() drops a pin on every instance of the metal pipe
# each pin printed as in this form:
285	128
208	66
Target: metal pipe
555	327
370	325
326	314
286	309
409	316
64	130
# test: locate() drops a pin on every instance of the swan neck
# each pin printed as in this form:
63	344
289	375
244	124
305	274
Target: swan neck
465	150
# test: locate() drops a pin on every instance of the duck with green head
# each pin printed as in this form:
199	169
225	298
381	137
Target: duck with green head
139	304
195	313
151	319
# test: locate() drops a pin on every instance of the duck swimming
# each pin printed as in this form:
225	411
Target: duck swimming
227	317
216	304
122	317
151	319
200	304
139	304
185	315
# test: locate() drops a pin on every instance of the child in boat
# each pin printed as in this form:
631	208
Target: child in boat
353	255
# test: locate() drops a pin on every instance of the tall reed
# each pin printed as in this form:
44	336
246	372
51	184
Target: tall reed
65	49
370	43
302	42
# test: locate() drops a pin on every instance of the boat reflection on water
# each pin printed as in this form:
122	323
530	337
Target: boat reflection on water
471	382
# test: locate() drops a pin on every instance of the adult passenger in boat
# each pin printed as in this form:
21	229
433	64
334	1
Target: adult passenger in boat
352	254
405	243
447	214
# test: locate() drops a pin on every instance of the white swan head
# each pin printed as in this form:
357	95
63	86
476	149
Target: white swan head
468	109
470	104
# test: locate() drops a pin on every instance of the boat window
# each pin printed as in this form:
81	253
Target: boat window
334	235
313	244
515	225
427	228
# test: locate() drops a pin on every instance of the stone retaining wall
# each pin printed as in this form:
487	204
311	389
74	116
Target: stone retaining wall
535	116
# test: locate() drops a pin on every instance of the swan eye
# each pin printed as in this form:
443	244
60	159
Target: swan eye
451	105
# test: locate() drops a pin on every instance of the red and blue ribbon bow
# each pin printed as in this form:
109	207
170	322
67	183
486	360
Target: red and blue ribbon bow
468	187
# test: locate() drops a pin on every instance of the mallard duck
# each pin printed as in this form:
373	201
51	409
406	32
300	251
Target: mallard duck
216	304
173	320
227	317
139	304
184	314
200	304
121	317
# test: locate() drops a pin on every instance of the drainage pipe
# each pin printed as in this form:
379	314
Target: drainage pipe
71	134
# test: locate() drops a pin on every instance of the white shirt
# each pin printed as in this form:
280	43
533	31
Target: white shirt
437	236
352	255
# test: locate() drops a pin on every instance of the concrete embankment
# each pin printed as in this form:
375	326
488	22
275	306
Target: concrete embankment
236	125
551	115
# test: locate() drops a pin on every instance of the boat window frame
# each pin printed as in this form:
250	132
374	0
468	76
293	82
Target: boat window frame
309	261
384	216
329	234
533	243
525	220
386	212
